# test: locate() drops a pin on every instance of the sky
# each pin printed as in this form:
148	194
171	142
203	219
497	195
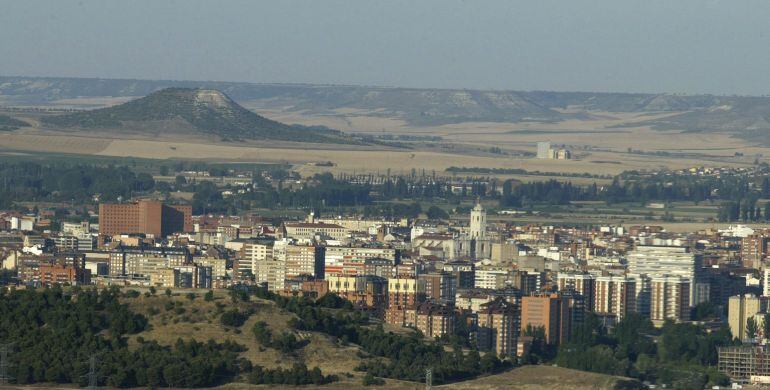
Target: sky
672	46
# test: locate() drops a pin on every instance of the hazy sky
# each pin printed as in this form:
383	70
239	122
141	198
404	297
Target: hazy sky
604	45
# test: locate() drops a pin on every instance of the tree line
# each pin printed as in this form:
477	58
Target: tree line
680	355
55	333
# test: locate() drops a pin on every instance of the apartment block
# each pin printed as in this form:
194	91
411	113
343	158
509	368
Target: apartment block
615	296
670	299
498	327
551	312
584	284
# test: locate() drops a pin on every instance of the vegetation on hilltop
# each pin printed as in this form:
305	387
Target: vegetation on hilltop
55	332
208	112
681	355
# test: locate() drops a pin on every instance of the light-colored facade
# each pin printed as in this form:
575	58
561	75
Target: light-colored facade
308	230
739	309
661	261
490	277
615	295
670	299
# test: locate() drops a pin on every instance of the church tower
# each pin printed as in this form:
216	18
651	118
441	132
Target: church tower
478	222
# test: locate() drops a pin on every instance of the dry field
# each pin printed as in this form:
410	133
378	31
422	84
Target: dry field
598	147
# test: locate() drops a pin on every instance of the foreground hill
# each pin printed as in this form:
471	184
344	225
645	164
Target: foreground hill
190	111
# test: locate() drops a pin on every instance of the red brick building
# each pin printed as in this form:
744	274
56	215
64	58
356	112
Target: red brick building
51	274
144	217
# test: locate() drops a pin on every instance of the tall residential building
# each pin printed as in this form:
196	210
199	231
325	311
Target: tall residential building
304	260
265	260
463	271
615	295
551	312
661	261
405	292
739	309
144	217
439	286
584	284
490	277
498	327
670	299
434	320
754	250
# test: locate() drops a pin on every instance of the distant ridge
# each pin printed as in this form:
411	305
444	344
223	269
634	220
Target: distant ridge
203	111
747	117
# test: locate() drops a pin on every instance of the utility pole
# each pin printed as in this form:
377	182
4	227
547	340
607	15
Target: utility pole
5	350
93	378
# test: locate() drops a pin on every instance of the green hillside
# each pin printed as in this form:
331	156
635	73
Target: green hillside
205	111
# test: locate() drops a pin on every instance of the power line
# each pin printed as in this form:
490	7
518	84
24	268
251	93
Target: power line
5	350
93	376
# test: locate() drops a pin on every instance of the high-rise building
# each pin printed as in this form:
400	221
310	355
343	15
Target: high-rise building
304	260
739	309
754	250
405	292
463	271
584	284
265	260
144	217
551	312
439	286
662	261
670	299
434	320
615	296
490	277
498	327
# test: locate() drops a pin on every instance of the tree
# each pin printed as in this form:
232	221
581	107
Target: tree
233	318
209	296
435	212
751	328
371	380
766	326
168	292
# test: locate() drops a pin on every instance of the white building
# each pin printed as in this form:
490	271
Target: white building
544	150
492	278
663	261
